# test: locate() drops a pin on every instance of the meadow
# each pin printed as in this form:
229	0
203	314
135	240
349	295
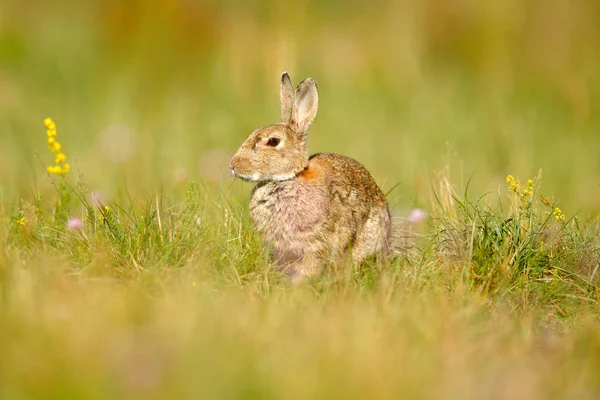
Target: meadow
135	273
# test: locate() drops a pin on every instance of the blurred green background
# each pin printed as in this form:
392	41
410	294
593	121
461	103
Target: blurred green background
150	94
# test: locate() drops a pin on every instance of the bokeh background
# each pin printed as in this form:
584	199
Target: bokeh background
154	93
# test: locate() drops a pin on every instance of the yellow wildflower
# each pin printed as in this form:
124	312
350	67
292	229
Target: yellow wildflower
54	147
513	186
21	221
558	214
49	124
529	190
60	167
59	157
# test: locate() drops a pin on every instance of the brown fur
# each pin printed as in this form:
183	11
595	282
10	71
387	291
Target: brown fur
310	210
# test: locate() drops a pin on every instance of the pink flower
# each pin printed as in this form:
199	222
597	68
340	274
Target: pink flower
417	215
74	224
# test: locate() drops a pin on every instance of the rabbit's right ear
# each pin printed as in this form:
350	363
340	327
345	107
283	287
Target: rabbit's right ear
287	97
306	103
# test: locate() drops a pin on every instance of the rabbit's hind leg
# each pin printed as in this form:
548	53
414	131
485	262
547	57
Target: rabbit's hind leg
373	238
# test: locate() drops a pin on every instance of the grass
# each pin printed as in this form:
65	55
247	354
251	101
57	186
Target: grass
160	288
178	298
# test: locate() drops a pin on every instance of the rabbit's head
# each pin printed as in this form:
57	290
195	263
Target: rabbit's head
278	152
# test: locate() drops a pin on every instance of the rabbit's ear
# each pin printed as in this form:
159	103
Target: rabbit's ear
306	104
286	95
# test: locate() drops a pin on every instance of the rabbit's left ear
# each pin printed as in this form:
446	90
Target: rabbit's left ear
305	106
286	94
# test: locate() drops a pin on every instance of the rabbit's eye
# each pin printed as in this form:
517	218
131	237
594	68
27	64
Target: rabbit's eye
273	142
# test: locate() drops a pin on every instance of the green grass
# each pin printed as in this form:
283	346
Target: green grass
166	291
177	297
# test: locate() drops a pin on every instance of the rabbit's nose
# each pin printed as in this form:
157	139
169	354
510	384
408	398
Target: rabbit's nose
233	164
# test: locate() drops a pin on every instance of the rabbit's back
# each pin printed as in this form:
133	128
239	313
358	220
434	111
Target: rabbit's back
350	182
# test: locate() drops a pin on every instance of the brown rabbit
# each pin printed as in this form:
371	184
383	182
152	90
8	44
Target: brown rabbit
310	209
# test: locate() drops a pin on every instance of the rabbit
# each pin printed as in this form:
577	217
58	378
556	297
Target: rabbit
309	209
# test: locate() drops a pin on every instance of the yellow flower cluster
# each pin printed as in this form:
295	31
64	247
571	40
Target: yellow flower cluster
526	197
61	167
513	186
558	214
